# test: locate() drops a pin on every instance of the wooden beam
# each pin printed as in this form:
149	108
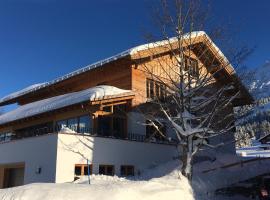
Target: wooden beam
110	100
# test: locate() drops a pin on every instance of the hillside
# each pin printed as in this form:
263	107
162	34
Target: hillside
259	85
253	121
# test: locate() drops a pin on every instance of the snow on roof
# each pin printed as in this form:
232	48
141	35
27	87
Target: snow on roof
21	92
54	103
131	51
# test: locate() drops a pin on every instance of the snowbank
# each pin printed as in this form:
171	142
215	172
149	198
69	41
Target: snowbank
151	185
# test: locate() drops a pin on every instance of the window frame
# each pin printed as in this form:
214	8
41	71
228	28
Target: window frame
82	167
78	129
106	169
155	89
124	168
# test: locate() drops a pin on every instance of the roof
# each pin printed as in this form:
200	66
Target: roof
5	100
57	102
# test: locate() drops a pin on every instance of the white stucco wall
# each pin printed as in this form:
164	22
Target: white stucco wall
57	155
74	149
34	152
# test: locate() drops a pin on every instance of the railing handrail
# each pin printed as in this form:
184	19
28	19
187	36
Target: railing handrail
88	132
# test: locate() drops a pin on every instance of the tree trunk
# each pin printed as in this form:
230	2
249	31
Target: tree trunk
186	163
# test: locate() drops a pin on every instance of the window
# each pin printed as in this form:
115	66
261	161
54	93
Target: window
113	125
120	109
61	124
81	124
5	137
152	132
85	124
127	170
8	136
155	89
151	89
104	125
85	170
106	170
191	65
36	130
73	124
82	169
78	171
118	127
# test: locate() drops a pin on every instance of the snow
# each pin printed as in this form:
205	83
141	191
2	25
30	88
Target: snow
100	63
259	84
136	49
66	130
224	171
255	151
54	103
163	182
248	113
157	183
21	92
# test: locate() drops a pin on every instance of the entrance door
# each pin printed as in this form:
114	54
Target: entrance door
13	176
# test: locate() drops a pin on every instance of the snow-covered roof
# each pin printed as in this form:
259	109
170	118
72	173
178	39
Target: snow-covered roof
21	92
57	102
100	63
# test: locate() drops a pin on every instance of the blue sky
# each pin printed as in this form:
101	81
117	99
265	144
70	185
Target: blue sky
43	39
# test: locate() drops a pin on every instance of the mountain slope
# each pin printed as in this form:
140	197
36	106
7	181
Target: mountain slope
259	85
253	121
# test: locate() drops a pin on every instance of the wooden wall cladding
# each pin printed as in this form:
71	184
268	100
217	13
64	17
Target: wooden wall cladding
117	73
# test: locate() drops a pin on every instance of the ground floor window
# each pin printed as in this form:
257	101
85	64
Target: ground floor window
82	170
127	170
106	170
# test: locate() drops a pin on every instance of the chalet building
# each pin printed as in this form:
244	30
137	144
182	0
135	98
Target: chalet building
87	120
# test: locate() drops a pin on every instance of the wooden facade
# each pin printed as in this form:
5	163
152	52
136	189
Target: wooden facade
128	73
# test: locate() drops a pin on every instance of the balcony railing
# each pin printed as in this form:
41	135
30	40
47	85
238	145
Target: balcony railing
81	131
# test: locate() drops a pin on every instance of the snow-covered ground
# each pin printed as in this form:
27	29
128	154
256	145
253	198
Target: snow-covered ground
163	182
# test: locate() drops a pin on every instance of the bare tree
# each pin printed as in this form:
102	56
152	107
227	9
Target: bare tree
192	86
